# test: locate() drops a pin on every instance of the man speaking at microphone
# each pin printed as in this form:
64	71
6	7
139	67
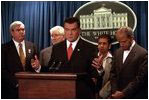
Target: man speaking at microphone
74	55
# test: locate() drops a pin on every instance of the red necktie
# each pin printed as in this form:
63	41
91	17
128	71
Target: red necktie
69	51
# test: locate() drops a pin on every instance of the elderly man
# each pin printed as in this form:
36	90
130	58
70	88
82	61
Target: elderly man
129	72
57	35
16	57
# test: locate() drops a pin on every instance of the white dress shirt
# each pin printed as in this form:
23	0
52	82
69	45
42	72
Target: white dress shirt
126	52
73	43
17	46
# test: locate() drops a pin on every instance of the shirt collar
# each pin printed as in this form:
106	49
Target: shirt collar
132	45
73	43
17	43
109	55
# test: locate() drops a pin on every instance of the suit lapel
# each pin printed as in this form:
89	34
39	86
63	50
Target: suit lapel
27	49
29	55
15	55
107	70
121	59
76	51
65	52
130	57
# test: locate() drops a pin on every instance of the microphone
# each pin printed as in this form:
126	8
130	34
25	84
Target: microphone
58	66
52	66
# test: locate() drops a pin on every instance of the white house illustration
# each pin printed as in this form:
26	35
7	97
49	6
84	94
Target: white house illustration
103	18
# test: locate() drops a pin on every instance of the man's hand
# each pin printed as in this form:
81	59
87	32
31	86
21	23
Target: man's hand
97	62
35	63
117	95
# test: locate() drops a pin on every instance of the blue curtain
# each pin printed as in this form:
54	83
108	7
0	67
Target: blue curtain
141	11
40	16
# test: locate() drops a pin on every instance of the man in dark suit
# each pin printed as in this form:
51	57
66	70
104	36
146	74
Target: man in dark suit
74	55
129	73
16	57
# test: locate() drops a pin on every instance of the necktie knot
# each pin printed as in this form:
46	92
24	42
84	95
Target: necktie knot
70	46
20	45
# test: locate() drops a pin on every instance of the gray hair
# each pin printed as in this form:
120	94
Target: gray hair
60	29
127	30
14	24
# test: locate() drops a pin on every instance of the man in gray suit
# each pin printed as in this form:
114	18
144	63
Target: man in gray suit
103	63
129	72
57	35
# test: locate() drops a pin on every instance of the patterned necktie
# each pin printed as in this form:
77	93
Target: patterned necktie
69	51
22	56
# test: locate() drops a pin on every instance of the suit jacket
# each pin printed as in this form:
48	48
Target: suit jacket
106	87
107	70
45	56
131	77
11	64
80	62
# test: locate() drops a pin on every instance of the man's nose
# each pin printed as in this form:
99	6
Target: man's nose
101	45
121	44
70	32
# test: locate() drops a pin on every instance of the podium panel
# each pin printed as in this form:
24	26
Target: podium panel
46	85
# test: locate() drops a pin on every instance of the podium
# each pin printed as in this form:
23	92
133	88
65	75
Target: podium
46	85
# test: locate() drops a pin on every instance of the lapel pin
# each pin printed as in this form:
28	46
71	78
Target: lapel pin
78	49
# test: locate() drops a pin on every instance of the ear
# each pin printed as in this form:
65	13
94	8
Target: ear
11	33
79	30
132	38
110	46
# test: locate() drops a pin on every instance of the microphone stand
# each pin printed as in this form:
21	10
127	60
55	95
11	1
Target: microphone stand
58	66
52	66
